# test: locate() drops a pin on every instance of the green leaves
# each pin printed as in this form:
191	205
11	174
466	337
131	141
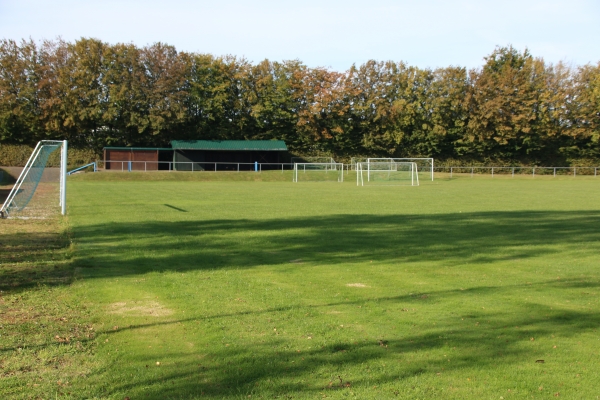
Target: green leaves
516	107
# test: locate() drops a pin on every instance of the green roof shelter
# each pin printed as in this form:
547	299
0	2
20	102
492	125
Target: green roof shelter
226	155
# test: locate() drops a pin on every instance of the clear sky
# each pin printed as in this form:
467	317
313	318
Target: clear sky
324	33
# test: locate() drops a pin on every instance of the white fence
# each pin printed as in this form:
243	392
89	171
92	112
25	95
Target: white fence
458	171
533	171
209	166
193	166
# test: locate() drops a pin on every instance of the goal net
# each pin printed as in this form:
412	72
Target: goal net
387	173
318	172
424	165
40	190
303	160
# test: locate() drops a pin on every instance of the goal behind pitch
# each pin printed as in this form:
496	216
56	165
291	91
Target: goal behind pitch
313	159
318	172
424	165
387	173
40	191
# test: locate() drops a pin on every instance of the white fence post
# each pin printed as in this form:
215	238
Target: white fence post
345	167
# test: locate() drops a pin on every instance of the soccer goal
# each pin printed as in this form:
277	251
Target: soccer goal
424	165
387	173
40	190
318	172
324	160
356	160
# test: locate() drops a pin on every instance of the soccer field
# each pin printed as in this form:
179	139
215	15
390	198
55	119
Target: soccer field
465	288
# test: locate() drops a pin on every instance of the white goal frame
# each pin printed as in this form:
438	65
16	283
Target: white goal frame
312	160
371	167
324	167
62	201
429	162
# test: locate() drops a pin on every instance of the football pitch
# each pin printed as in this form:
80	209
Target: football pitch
456	289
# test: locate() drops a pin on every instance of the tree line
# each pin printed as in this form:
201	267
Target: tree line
515	107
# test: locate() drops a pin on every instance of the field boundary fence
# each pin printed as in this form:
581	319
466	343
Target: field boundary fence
518	171
452	171
201	166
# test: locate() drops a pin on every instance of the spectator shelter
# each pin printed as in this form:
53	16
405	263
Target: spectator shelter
137	158
226	155
198	155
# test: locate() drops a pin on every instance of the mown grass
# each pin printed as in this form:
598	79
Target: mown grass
179	176
46	338
455	289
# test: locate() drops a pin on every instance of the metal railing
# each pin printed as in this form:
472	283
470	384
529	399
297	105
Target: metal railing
209	166
533	171
92	164
119	165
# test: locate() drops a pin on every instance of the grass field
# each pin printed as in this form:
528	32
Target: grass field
158	289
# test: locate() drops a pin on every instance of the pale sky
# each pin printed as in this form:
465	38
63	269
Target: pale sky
324	33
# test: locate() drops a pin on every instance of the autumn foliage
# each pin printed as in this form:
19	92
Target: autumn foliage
515	107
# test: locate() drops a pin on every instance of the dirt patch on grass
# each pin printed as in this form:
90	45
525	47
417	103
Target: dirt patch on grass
356	285
139	308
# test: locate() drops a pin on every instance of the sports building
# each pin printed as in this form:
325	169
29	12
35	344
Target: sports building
198	155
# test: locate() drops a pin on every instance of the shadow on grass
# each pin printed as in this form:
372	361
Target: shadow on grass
447	240
483	341
480	341
117	249
453	239
175	208
477	339
30	258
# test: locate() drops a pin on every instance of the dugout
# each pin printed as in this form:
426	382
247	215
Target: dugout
227	155
137	158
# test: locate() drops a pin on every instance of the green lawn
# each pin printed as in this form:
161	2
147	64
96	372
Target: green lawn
465	288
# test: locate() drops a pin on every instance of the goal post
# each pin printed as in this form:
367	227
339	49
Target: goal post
312	159
32	174
318	172
425	165
387	173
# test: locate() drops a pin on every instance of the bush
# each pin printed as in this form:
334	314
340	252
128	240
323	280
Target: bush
17	156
